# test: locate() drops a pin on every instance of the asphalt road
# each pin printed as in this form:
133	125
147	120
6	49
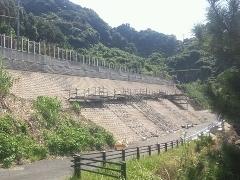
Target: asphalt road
60	168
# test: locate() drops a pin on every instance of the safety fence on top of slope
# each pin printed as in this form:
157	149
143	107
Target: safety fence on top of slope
38	57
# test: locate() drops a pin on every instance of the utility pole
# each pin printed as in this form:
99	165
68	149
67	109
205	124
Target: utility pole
18	23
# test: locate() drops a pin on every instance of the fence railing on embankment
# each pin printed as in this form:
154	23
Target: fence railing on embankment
92	161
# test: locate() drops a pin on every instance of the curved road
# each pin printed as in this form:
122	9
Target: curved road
60	168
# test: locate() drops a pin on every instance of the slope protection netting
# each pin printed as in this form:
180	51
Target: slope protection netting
19	60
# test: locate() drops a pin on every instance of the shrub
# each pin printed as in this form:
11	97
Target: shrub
37	152
7	124
10	149
101	136
6	81
68	140
76	107
49	108
196	91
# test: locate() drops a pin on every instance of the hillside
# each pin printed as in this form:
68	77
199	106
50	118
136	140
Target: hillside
73	27
62	20
127	114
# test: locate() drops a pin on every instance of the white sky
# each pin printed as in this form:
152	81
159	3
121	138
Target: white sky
175	17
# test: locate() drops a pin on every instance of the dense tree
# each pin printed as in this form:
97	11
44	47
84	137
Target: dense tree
68	25
220	36
190	63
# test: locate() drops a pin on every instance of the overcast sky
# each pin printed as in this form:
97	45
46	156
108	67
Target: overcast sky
175	17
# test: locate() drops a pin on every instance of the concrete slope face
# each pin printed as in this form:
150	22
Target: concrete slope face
130	110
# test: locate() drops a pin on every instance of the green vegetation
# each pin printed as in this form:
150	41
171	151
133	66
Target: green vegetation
75	106
200	159
49	109
6	81
206	66
220	38
70	26
224	94
49	130
64	137
196	92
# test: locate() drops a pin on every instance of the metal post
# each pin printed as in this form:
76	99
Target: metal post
39	48
4	40
11	42
123	155
158	148
34	48
77	166
172	143
165	146
149	150
49	50
18	24
177	143
77	93
44	48
104	158
123	170
22	43
138	153
28	45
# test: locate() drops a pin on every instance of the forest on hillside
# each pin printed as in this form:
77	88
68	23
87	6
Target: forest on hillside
211	57
71	26
207	67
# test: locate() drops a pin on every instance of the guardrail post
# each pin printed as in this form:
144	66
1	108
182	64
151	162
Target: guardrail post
149	150
165	146
138	153
104	157
177	143
124	170
181	141
77	166
158	148
123	155
172	144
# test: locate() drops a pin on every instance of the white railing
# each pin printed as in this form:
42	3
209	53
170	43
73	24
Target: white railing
204	131
36	56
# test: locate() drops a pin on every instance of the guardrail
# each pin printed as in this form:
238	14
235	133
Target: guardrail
87	162
204	131
78	167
